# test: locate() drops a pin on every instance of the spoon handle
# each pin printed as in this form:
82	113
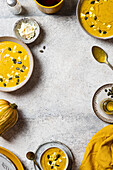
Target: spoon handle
110	65
37	164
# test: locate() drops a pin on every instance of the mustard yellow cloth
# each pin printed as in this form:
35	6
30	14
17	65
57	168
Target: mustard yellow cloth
99	151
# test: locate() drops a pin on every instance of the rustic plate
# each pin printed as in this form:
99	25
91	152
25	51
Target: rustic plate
42	148
12	39
10	161
98	97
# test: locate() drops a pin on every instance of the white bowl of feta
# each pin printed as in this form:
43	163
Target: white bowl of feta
27	30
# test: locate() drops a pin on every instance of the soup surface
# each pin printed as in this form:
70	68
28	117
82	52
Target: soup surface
14	64
97	17
54	158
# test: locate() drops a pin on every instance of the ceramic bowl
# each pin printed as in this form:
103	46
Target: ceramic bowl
79	21
67	158
30	21
12	39
49	9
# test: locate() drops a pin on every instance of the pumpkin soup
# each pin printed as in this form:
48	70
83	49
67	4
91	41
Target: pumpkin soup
54	158
96	17
14	64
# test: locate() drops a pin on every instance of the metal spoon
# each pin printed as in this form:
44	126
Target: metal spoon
101	56
31	156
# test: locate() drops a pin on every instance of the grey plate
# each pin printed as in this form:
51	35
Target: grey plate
30	21
48	145
99	96
5	163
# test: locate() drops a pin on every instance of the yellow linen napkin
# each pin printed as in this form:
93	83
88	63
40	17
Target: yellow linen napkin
99	151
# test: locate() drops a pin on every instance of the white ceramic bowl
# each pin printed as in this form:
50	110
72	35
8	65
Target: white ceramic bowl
12	39
30	21
78	18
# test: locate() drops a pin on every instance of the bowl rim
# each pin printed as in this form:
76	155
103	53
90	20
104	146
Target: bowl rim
22	39
78	19
13	39
67	157
49	7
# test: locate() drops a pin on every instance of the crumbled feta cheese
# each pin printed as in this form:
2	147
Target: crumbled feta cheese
27	30
82	15
108	26
25	57
91	8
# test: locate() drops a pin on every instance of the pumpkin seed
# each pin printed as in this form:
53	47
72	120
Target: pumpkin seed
20	52
50	162
104	32
21	70
1	80
10	78
16	76
9	48
48	156
4	84
18	68
92	2
19	62
87	13
95	18
86	18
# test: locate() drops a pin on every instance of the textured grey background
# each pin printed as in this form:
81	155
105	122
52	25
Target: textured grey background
56	104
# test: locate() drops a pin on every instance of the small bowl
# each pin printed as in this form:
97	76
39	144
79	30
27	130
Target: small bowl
12	39
49	9
30	21
78	18
67	158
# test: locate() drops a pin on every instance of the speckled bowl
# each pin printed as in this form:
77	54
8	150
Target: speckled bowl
79	21
12	39
49	9
30	21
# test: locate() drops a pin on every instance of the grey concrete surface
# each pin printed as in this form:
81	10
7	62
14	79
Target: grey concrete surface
56	103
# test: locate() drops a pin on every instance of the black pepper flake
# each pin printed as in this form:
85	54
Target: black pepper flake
10	78
16	76
100	31
104	32
1	80
18	68
21	70
86	18
9	49
92	26
41	51
50	162
57	165
92	2
111	96
52	167
17	83
4	84
58	156
17	80
87	13
48	156
95	18
98	0
20	52
19	62
14	60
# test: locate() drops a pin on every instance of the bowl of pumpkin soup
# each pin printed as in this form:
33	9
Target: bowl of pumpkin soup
16	64
96	17
54	158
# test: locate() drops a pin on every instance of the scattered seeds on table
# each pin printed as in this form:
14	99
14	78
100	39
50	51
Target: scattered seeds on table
41	51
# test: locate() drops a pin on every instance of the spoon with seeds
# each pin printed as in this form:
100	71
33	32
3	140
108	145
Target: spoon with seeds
101	56
31	156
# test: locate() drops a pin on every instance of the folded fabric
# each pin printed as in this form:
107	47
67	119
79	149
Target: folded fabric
99	151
